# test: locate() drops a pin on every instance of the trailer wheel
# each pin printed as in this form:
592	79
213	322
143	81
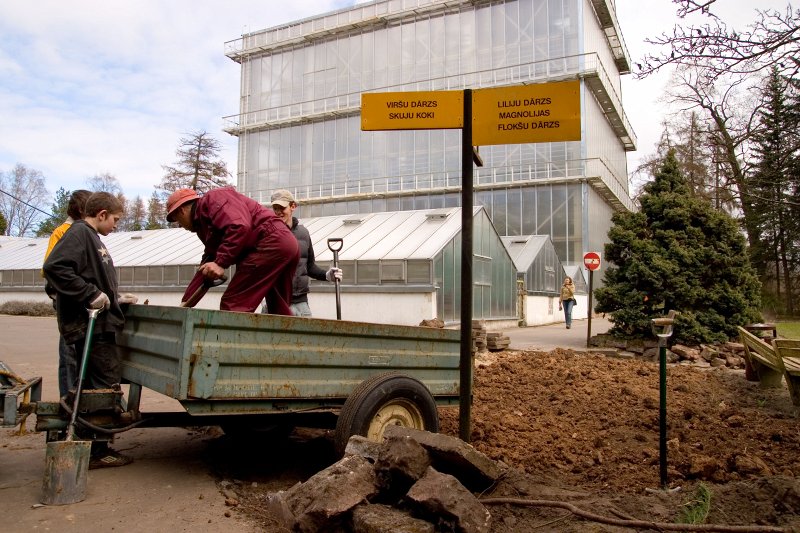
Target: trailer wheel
390	399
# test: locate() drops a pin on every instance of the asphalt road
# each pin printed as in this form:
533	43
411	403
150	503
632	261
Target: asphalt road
552	336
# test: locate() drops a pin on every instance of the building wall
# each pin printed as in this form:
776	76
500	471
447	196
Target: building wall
299	122
541	310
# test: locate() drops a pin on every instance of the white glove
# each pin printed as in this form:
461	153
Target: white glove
127	298
101	302
334	274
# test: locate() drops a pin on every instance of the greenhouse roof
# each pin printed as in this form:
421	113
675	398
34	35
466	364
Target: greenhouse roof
378	236
524	249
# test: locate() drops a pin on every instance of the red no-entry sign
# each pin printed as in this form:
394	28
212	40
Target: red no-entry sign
592	260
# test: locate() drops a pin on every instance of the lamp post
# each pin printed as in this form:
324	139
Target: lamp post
662	328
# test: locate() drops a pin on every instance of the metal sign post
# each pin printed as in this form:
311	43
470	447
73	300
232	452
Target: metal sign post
465	361
591	260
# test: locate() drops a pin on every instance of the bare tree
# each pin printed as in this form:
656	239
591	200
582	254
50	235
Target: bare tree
109	183
21	191
135	215
104	182
198	166
156	218
773	39
733	117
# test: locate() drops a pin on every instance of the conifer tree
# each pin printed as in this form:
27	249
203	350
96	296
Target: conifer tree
198	167
677	253
773	190
58	216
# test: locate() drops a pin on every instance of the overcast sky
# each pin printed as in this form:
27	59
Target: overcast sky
95	86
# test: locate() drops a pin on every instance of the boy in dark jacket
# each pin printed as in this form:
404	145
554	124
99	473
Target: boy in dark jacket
67	373
81	272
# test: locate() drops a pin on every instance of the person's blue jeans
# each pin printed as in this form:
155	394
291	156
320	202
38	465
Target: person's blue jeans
301	309
67	367
568	305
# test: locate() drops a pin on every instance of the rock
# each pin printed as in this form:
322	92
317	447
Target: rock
718	362
362	446
684	352
708	353
650	353
736	347
401	462
384	519
275	504
672	357
442	496
319	503
734	361
453	456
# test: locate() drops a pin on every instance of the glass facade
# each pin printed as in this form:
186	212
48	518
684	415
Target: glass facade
299	122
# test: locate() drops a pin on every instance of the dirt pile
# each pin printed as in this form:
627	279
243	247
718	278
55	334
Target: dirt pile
584	429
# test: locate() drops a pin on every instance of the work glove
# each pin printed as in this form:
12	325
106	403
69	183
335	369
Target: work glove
100	302
127	298
334	274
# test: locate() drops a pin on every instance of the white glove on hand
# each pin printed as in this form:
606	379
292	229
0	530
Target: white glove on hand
334	274
101	302
127	298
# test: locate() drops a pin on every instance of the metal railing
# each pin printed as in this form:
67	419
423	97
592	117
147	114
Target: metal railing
569	67
446	181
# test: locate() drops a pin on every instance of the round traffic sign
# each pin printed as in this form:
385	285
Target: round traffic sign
592	260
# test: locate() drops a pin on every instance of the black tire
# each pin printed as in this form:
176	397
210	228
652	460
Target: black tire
385	399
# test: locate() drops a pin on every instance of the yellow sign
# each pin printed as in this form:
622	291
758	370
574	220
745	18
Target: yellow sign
426	110
546	112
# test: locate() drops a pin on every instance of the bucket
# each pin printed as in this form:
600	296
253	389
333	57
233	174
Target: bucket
66	472
67	462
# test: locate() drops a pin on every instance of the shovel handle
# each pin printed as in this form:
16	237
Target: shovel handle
335	245
87	347
202	290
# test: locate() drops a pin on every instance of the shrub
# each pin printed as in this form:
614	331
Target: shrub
27	308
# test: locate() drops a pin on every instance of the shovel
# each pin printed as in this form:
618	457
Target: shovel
67	461
335	245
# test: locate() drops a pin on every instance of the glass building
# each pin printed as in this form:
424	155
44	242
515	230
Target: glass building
299	120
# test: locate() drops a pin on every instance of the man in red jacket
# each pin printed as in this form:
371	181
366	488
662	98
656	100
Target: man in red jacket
237	230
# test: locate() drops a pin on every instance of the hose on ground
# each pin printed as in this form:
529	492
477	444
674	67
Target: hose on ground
96	428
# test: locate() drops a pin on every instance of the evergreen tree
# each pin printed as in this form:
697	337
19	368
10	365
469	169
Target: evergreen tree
773	186
59	213
198	167
3	224
677	252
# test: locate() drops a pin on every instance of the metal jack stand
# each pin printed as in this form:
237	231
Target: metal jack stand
662	328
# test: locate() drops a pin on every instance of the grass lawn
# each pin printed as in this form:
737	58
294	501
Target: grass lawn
790	329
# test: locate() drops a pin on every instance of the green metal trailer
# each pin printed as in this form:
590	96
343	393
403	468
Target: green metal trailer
246	372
